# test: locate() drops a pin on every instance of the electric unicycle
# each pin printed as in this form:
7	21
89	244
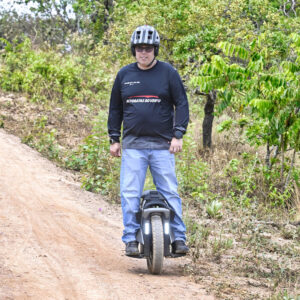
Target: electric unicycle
155	235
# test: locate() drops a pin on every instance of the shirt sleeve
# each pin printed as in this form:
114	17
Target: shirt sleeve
180	102
115	116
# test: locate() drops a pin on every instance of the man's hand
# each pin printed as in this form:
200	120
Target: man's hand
176	145
115	149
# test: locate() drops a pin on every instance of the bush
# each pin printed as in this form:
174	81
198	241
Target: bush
100	172
50	75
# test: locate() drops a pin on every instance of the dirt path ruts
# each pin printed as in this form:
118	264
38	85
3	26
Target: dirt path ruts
56	244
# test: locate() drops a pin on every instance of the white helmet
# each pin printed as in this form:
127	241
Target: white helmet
145	34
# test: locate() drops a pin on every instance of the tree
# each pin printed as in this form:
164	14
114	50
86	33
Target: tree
70	16
55	18
93	16
264	88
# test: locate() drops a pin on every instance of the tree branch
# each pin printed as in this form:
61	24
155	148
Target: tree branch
267	159
293	4
198	92
293	7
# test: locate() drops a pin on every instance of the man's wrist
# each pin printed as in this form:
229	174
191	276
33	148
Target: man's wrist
178	134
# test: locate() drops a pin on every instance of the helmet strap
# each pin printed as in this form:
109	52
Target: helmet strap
151	62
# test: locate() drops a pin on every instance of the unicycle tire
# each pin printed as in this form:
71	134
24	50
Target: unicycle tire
155	261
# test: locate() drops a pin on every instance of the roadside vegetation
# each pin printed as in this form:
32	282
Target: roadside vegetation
239	170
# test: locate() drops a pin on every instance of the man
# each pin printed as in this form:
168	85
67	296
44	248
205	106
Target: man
149	98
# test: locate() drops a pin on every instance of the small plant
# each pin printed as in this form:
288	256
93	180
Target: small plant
192	172
28	140
100	172
288	233
48	145
220	245
232	167
197	237
213	209
40	123
284	296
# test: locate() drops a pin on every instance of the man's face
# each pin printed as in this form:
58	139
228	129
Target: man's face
144	54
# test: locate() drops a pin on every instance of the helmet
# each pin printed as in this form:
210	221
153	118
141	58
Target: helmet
145	34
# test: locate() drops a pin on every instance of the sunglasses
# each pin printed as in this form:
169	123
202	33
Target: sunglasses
147	49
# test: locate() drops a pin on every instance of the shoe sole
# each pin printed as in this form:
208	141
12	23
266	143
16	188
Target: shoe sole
132	254
181	251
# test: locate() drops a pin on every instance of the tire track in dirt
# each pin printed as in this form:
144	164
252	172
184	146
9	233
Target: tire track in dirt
55	244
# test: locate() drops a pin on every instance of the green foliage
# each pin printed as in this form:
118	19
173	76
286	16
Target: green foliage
7	45
43	139
198	236
50	75
47	145
225	125
50	21
243	175
220	245
93	17
261	86
213	209
100	171
192	173
234	51
284	295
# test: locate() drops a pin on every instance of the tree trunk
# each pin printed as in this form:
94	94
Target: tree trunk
287	181
208	119
267	160
108	4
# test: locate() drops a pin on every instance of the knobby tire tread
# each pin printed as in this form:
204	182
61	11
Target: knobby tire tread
155	263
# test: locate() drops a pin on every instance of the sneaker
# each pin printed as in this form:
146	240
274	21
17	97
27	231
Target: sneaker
179	247
132	249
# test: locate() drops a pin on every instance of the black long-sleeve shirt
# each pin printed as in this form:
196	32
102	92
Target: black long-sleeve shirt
151	103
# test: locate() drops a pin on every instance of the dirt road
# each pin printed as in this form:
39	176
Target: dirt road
60	242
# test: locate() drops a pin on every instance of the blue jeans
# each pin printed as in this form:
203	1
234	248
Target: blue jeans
133	173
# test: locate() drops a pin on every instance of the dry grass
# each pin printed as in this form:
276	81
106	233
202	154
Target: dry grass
25	119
